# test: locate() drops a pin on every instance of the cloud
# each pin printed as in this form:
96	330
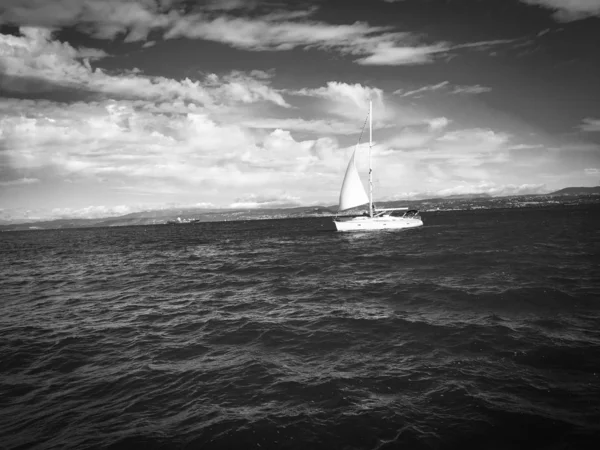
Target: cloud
348	100
252	201
474	138
592	171
444	85
476	89
19	182
465	149
102	19
271	30
393	54
376	45
484	45
94	212
37	56
479	187
319	127
569	10
428	88
114	146
524	146
406	140
491	188
438	123
590	124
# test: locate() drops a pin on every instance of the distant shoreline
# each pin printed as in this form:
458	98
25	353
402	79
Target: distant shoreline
194	217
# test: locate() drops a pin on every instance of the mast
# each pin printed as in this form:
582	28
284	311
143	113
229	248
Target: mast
370	169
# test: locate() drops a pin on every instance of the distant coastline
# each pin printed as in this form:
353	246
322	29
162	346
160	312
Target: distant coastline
177	217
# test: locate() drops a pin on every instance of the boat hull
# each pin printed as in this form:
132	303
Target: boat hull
376	223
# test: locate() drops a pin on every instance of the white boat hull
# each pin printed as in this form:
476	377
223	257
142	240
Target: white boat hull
376	223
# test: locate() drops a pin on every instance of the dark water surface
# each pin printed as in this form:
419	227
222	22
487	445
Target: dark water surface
479	330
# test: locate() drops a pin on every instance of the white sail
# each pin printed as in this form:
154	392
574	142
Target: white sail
353	192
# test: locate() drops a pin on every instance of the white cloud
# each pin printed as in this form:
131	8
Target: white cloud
350	100
475	140
493	189
414	137
569	10
252	201
405	140
475	89
93	212
36	55
444	85
429	88
18	182
590	124
524	146
133	151
479	187
484	45
319	127
422	159
438	123
103	19
274	30
592	171
395	54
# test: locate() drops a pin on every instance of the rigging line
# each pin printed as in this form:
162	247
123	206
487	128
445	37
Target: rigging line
363	129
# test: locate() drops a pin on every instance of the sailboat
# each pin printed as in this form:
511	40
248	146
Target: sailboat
353	194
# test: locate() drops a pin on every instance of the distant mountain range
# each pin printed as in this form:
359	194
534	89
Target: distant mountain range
465	196
577	191
177	216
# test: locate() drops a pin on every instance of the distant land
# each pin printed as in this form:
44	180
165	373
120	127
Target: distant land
182	216
469	196
578	191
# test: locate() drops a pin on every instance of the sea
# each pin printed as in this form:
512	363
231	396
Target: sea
479	330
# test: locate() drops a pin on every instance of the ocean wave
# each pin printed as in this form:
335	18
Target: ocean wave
479	329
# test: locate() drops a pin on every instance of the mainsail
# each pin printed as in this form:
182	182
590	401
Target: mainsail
353	192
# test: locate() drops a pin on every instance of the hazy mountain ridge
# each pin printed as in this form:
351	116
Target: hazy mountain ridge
190	215
578	191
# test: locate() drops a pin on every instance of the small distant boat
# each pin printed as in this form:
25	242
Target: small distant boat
353	194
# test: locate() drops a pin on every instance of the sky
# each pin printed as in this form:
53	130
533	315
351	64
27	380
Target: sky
115	106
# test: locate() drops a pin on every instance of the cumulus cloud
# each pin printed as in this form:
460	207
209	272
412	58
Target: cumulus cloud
474	136
349	100
438	123
590	124
317	126
466	148
93	212
102	19
136	151
569	10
